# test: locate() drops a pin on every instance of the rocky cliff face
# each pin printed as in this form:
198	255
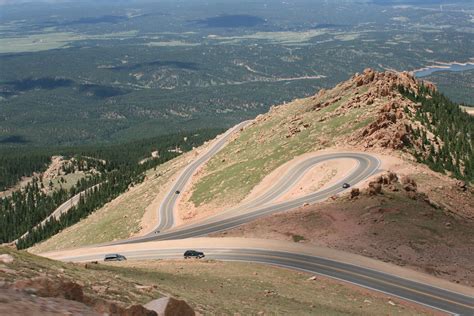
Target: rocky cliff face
377	94
393	126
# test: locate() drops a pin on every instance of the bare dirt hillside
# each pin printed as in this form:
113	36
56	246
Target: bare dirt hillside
390	220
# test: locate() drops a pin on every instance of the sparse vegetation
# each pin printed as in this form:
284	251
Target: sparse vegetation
213	287
297	238
286	132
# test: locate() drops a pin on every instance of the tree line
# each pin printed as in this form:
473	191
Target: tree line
115	183
452	125
22	161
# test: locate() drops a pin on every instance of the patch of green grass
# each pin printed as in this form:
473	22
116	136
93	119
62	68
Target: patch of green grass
365	122
70	180
297	238
341	124
52	40
264	146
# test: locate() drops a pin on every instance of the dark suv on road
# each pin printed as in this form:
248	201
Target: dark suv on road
114	257
193	254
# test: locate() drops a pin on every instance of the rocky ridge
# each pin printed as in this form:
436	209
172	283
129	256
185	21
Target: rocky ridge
393	126
377	95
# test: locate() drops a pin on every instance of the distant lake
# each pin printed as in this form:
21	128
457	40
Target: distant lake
453	67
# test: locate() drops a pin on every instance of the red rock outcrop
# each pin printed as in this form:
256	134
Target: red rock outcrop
63	289
392	127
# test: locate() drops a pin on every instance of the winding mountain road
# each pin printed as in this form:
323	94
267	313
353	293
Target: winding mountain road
166	210
263	205
167	241
365	272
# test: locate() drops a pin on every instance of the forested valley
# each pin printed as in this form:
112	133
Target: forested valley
115	168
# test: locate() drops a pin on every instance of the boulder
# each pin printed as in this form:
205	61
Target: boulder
409	184
139	310
6	258
169	306
110	308
355	192
46	287
392	176
375	188
409	187
461	185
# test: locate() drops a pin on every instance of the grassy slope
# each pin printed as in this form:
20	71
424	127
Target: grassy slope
213	287
264	146
71	180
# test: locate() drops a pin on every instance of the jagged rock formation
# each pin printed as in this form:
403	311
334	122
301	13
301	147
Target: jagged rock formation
392	127
390	114
377	93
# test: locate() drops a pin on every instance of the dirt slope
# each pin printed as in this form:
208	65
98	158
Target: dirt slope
398	225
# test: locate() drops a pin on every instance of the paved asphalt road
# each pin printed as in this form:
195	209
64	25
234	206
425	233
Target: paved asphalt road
165	213
425	294
367	165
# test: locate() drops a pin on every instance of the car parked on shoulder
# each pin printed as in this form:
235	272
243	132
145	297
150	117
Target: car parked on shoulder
193	254
114	257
